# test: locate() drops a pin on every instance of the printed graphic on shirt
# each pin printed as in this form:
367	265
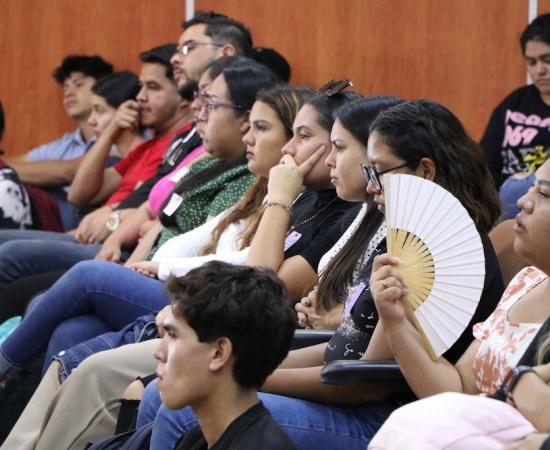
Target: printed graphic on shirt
525	144
15	208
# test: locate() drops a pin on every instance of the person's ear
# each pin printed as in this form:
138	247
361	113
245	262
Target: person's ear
426	169
222	350
245	122
228	50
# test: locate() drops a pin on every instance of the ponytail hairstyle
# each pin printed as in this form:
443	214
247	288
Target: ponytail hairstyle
356	117
285	101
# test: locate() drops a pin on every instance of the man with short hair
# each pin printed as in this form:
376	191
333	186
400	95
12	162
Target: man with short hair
55	163
206	37
228	329
517	137
160	107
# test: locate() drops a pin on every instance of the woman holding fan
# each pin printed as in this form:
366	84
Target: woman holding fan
498	362
432	145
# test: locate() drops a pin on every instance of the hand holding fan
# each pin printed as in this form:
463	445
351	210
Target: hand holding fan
441	254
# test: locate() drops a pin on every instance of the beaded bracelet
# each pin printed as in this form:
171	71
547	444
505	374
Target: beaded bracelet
286	207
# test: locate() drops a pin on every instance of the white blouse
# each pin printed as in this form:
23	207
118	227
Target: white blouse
182	253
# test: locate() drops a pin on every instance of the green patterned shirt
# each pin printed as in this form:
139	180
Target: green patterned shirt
207	199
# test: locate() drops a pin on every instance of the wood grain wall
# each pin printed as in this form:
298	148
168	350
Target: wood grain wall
463	53
35	35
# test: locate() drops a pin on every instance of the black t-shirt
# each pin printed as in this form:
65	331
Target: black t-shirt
318	220
180	146
352	337
517	137
255	429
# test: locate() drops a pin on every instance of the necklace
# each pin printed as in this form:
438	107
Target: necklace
310	218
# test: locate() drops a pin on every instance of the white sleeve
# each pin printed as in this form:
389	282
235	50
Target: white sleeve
179	255
190	243
180	266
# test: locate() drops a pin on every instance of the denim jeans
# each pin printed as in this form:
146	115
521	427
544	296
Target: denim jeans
310	425
72	332
26	252
113	293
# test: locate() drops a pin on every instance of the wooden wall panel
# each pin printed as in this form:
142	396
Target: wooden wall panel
463	53
543	6
35	36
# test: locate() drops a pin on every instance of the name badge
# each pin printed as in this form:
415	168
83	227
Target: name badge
172	205
352	299
291	239
179	175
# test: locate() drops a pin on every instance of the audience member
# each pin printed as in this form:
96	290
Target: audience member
206	37
517	136
29	253
494	364
216	339
326	416
15	204
55	163
235	89
225	237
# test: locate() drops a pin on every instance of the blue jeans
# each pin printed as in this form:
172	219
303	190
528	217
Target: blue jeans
72	332
310	425
113	293
24	253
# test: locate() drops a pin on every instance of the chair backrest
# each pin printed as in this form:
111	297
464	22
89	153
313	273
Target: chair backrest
502	237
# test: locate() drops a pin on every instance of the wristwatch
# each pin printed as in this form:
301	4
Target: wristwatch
113	222
512	379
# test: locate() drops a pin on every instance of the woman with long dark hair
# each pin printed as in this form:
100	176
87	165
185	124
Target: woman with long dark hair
434	146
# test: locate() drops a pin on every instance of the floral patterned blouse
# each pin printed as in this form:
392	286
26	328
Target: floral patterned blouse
503	343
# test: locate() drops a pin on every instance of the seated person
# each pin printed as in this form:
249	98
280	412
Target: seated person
517	137
500	341
326	416
514	418
15	204
243	82
55	163
206	362
163	111
208	198
271	118
109	93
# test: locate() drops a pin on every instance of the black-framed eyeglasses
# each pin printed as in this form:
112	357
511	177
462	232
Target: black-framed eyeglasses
333	87
190	45
373	176
211	106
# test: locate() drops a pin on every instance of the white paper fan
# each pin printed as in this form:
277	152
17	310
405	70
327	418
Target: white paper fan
441	255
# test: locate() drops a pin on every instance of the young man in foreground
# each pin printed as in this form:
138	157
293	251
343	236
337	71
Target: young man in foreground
228	329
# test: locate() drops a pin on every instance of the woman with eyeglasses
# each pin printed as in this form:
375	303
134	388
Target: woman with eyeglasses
225	237
499	362
237	84
435	147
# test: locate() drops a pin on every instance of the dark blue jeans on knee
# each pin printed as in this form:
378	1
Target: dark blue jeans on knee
25	252
115	294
